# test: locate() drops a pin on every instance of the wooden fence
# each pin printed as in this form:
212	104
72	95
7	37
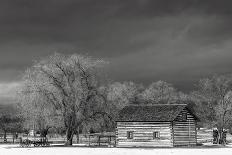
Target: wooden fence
98	139
95	139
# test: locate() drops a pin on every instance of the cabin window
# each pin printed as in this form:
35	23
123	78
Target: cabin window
156	135
184	116
129	134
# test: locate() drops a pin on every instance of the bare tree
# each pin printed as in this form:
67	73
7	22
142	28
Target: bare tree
214	98
161	91
119	95
10	121
36	113
122	93
70	86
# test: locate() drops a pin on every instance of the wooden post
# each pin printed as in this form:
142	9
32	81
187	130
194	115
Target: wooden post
89	139
116	134
172	128
196	131
77	135
115	141
110	141
99	139
189	131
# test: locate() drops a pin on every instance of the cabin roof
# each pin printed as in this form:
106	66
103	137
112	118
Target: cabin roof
157	112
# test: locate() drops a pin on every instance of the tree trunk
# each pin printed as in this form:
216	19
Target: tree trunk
69	137
78	138
5	140
220	130
77	135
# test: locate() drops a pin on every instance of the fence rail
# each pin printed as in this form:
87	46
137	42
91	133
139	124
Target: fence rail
96	139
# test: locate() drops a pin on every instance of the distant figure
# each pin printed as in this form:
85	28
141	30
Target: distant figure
215	136
224	136
16	135
20	140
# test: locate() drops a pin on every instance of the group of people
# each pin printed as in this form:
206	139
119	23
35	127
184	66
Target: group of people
219	137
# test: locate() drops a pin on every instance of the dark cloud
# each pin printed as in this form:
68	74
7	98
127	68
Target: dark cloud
144	40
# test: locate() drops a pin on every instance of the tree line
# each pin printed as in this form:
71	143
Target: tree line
71	94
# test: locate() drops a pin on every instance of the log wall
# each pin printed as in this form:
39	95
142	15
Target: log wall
143	134
184	132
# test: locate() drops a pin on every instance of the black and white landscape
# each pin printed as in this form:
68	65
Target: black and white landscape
115	73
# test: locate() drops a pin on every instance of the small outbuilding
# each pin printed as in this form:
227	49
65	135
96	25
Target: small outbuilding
157	125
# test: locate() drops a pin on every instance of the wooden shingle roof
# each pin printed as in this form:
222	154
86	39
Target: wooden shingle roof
159	112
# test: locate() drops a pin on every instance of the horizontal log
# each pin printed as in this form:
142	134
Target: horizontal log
163	136
144	126
184	127
185	138
185	143
145	123
191	123
144	140
182	135
148	132
144	145
141	144
146	135
184	123
184	132
139	126
191	137
144	131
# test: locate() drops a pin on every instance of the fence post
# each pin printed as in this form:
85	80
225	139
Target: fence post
99	139
110	140
89	139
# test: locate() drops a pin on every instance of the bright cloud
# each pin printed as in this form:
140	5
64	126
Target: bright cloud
8	90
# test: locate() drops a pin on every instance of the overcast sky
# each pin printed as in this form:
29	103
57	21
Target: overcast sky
178	41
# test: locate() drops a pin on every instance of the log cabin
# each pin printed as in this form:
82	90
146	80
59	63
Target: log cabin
158	125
